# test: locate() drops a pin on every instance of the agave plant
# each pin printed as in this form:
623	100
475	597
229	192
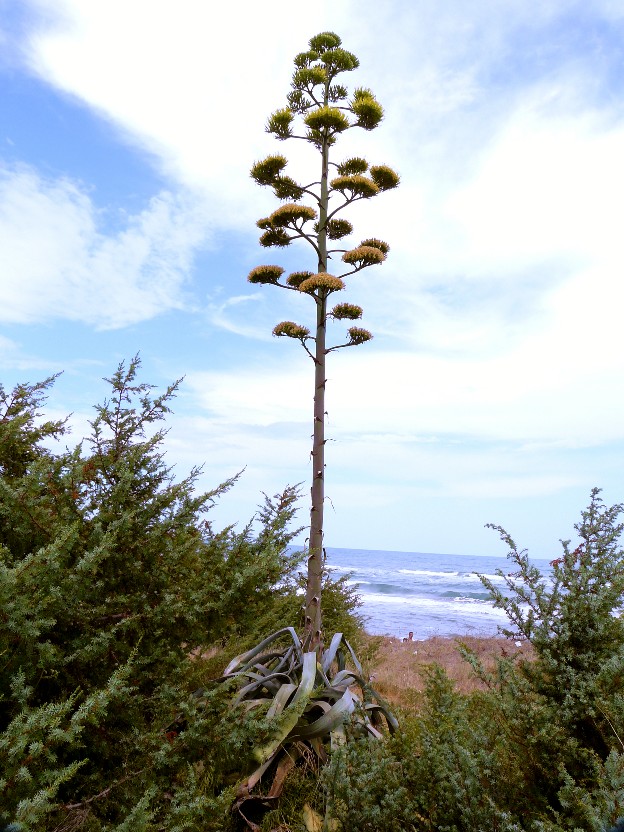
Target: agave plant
310	697
320	111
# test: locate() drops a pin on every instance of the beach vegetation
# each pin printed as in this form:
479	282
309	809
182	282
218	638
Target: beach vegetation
114	584
534	742
120	601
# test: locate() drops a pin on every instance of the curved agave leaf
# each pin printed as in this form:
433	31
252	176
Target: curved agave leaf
293	712
330	720
330	654
240	663
269	683
247	785
354	659
317	704
382	707
345	677
280	700
374	732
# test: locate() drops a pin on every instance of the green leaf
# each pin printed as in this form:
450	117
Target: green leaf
245	660
293	712
334	717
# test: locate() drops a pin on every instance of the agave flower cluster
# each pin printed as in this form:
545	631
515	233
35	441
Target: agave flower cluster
326	110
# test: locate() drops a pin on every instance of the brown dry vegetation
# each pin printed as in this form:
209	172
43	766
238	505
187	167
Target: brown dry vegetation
397	667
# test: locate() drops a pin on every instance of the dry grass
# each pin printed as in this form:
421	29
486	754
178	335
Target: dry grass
397	667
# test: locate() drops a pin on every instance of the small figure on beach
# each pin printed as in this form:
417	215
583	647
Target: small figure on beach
410	636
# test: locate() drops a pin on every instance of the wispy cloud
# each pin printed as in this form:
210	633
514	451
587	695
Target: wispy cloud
497	314
58	263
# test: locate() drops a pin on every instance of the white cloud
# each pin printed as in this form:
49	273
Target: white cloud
192	83
547	187
58	264
494	187
531	394
497	313
9	350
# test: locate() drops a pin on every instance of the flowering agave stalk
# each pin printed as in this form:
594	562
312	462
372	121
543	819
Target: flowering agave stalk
310	212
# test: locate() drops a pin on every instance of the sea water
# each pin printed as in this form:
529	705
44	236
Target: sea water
423	592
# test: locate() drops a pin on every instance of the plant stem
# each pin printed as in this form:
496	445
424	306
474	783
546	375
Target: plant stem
313	624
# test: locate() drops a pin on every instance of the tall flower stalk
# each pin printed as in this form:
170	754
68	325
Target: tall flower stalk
319	110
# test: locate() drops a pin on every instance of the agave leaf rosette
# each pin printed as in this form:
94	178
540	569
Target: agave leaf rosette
308	698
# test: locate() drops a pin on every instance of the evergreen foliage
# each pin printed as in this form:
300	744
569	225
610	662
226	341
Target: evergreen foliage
541	750
112	582
572	621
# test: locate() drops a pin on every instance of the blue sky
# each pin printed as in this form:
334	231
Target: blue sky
492	391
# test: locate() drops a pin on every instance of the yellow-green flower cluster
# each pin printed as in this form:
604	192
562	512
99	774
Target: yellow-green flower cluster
289	214
358	186
363	256
337	229
367	109
358	335
384	177
339	60
323	41
309	76
327	118
323	281
280	123
346	312
375	243
284	187
352	166
274	237
306	58
296	278
265	274
265	171
291	330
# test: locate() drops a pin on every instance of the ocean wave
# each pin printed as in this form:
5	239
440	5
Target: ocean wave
477	596
456	604
384	589
367	572
442	590
369	588
449	573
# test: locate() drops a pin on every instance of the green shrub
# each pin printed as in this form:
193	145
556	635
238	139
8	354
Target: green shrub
574	624
541	749
439	772
560	714
111	580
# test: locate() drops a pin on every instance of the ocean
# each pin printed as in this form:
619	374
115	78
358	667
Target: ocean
423	592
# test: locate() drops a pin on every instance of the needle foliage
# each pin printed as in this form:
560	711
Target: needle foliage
112	581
